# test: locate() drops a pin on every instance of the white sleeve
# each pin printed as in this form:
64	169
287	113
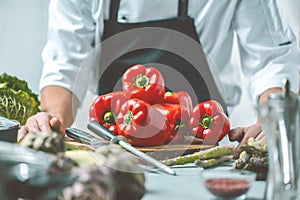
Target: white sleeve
269	50
71	35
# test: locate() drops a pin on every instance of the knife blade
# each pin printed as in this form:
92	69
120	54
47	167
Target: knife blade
84	137
104	133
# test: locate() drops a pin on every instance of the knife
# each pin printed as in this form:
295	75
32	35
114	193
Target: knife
104	133
84	137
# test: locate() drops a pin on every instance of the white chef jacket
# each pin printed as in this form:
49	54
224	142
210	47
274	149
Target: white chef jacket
267	46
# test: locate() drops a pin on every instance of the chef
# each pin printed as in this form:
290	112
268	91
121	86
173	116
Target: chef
190	41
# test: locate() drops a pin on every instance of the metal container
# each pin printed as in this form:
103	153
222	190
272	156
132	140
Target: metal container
8	129
25	174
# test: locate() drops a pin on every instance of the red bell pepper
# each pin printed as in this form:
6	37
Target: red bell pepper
180	97
105	108
178	118
142	124
209	122
144	83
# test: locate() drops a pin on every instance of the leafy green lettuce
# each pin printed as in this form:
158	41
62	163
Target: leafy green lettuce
17	101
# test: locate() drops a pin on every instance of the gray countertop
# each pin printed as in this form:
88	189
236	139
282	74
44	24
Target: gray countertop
187	185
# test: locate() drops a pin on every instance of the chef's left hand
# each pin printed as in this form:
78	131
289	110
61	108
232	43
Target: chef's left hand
242	134
41	121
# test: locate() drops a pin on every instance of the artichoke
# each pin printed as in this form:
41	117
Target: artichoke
117	178
50	142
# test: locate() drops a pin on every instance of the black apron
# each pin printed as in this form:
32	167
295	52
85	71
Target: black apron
171	45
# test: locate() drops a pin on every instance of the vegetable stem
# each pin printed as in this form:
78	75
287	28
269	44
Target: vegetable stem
128	118
141	81
206	121
109	118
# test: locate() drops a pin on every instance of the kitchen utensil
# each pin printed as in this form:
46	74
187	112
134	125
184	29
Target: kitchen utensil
85	138
280	119
8	129
104	133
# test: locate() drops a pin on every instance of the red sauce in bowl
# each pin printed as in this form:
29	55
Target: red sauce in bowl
227	187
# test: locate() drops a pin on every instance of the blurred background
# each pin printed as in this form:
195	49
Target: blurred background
23	33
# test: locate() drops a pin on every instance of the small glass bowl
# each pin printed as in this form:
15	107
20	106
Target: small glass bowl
228	183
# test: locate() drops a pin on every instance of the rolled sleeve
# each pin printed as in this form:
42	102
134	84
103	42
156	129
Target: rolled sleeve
268	47
71	35
273	74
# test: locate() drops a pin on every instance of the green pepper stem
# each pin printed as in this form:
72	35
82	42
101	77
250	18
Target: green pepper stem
109	117
206	121
128	118
141	81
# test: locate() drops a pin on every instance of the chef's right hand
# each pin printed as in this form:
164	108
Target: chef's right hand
41	121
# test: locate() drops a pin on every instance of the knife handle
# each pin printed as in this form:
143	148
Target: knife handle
100	130
104	133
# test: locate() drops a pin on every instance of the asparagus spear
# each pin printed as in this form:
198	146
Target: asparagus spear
255	147
254	157
217	151
214	152
212	161
242	160
181	160
258	144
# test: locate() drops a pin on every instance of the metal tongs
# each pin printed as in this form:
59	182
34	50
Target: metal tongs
106	134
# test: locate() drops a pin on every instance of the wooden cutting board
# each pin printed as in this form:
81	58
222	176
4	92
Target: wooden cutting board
173	150
158	152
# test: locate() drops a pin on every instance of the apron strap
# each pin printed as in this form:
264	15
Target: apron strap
183	8
114	8
115	4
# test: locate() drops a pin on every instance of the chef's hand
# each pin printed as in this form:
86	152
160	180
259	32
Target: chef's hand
41	121
242	134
